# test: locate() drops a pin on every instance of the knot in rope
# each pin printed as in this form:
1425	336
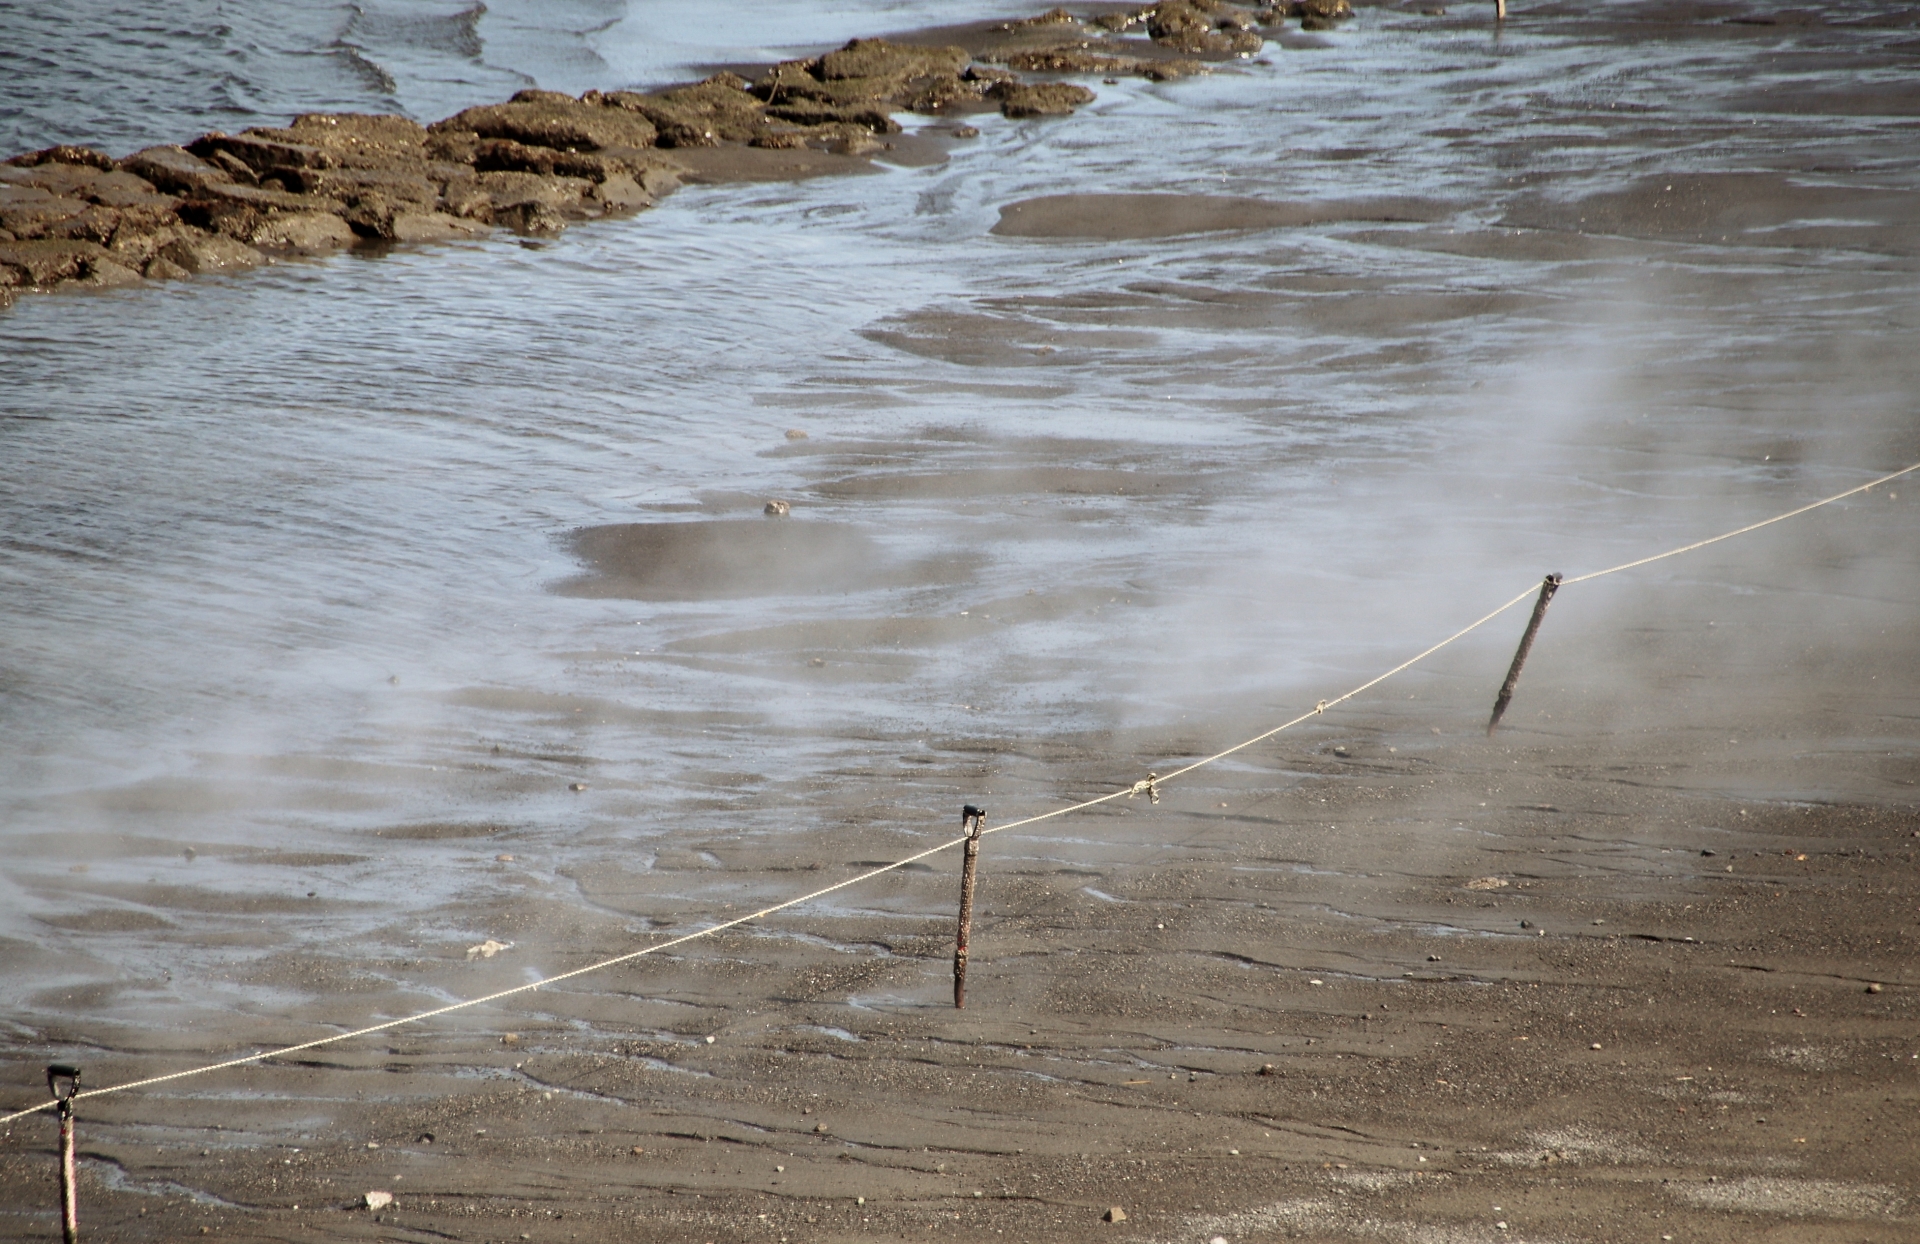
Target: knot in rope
1148	786
1321	707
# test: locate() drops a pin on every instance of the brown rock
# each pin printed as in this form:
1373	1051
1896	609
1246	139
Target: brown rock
1040	99
203	253
720	109
306	233
1052	17
852	141
356	139
882	58
28	211
790	79
64	154
533	219
92	224
1072	60
503	155
104	273
160	268
233	218
127	192
431	227
349	185
72	181
656	171
452	144
258	153
138	240
539	119
175	170
45	263
816	112
559	194
1202	26
467	199
1172	18
263	200
935	95
234	167
371	215
621	194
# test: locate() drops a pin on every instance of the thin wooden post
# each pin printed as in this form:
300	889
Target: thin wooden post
973	820
1499	10
60	1076
1548	586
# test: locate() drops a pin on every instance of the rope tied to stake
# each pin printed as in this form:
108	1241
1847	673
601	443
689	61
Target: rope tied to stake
1149	786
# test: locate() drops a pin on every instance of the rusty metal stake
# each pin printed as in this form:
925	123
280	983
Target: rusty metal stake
1548	586
59	1075
974	820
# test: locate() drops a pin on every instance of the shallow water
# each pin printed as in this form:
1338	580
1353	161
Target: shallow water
287	573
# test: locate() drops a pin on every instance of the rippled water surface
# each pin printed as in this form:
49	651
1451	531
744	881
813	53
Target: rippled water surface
290	604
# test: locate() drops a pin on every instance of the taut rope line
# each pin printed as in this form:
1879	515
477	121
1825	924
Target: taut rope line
1741	531
1122	793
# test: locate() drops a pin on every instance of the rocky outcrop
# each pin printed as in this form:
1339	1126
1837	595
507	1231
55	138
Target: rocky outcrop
543	160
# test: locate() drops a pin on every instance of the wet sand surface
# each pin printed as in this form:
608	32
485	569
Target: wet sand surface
1640	965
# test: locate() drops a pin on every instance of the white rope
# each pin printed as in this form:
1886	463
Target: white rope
1150	786
1741	531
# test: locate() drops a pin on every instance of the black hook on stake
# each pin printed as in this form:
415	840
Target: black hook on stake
63	1081
974	821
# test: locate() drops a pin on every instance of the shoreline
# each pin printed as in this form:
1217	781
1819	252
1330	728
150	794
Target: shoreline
1238	1025
542	161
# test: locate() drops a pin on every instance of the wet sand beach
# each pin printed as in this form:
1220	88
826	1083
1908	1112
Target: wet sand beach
453	648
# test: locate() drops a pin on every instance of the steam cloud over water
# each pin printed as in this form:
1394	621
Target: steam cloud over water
358	612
